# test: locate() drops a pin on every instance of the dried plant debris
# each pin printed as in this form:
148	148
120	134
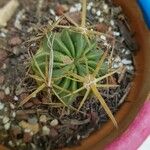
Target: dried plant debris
43	122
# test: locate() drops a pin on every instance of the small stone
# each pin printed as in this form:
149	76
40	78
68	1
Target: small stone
5	119
34	128
16	51
88	7
13	114
78	6
101	27
78	137
27	137
10	143
93	11
116	33
7	90
52	12
130	68
60	9
2	95
15	41
106	8
98	13
4	66
2	78
73	9
7	126
101	20
1	106
112	22
54	123
3	55
12	106
127	52
103	37
43	119
45	130
33	120
5	109
16	98
126	62
115	65
28	105
36	101
21	115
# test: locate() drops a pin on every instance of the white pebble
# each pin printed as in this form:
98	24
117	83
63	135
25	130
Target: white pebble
2	34
5	120
123	50
52	12
103	37
106	9
19	17
16	98
115	65
27	130
130	68
12	106
126	62
127	52
73	9
7	90
88	7
78	137
105	6
101	20
93	11
4	66
54	122
78	6
45	130
5	109
1	106
7	126
11	143
112	22
90	3
13	114
98	13
116	33
43	118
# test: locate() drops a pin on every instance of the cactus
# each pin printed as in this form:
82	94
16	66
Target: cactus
73	53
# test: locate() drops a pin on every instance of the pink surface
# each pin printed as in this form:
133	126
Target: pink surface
136	133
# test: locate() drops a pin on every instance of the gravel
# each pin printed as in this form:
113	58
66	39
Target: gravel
54	123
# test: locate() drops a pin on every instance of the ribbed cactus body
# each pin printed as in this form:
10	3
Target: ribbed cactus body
72	53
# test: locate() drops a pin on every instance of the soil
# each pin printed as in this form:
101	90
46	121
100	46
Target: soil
38	125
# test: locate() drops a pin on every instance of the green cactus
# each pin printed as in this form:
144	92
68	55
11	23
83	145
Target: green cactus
73	53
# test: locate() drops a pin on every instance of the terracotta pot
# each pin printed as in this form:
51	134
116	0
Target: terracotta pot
140	86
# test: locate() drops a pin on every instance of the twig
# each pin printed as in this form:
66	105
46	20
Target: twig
83	13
